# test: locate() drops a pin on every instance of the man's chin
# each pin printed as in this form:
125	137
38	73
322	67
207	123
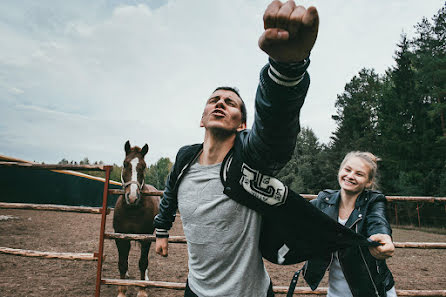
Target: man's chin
222	132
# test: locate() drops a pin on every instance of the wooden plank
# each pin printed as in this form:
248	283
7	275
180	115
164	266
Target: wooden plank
421	293
182	286
53	166
427	199
421	245
142	237
144	284
416	199
53	207
49	255
182	239
311	196
144	193
276	289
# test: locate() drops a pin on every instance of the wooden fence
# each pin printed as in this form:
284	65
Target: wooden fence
173	239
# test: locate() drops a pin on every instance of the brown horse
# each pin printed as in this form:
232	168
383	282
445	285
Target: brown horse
134	212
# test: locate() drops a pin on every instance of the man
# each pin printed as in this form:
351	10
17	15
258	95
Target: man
223	235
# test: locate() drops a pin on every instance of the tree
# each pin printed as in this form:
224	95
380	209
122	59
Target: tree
429	48
430	60
412	112
397	122
156	174
303	173
356	115
85	161
63	162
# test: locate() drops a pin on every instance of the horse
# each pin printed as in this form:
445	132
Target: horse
134	213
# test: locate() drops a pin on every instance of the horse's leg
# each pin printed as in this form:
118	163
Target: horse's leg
143	264
123	265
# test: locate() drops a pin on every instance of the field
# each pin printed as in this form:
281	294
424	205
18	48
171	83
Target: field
413	269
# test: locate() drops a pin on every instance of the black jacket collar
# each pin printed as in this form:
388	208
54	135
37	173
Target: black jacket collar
333	210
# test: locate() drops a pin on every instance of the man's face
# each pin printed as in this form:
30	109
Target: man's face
223	112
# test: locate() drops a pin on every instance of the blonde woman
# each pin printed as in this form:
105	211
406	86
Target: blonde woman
356	271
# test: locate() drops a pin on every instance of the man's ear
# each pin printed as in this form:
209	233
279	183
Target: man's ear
241	127
201	120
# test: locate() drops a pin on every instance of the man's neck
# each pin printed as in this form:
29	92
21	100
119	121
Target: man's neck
215	148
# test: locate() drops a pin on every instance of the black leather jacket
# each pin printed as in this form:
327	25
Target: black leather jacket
247	176
365	275
268	146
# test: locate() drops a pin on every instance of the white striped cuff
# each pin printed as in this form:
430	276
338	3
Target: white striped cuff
283	80
161	233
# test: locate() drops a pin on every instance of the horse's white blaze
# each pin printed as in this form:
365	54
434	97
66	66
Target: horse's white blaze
134	187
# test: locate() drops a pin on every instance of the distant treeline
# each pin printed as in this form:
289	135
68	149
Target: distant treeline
155	174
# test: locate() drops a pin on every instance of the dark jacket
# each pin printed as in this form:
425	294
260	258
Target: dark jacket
268	146
246	175
365	275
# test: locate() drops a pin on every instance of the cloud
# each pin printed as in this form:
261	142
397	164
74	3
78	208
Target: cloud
79	78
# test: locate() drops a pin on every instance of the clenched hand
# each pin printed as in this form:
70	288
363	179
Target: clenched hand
290	31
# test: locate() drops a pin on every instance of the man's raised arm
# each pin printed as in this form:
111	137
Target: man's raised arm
290	33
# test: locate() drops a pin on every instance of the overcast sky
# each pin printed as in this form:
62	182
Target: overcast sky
79	78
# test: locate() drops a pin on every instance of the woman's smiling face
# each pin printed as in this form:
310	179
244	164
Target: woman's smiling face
353	177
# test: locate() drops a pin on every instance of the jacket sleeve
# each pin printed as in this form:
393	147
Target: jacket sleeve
376	221
279	98
168	204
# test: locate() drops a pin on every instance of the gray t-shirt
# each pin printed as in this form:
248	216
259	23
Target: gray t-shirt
222	238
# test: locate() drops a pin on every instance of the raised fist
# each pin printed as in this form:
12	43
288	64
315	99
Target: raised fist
290	31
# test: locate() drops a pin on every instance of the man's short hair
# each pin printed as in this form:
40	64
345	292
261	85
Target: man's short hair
242	107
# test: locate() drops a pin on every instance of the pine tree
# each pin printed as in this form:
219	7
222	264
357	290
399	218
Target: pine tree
356	115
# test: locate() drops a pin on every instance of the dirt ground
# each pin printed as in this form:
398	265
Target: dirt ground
73	232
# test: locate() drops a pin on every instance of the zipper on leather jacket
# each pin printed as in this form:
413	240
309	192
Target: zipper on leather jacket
357	220
363	259
340	262
368	269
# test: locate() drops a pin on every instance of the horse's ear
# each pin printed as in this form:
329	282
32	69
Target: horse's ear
127	147
144	150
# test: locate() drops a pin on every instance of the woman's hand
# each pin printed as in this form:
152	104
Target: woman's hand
385	250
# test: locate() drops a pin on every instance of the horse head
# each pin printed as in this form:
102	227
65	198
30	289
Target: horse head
132	174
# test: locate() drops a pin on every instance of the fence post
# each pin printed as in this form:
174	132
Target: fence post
396	214
101	234
418	214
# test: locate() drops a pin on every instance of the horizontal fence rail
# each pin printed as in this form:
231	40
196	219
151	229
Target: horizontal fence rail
143	193
53	166
276	289
142	237
53	207
49	255
420	245
427	199
416	199
182	239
